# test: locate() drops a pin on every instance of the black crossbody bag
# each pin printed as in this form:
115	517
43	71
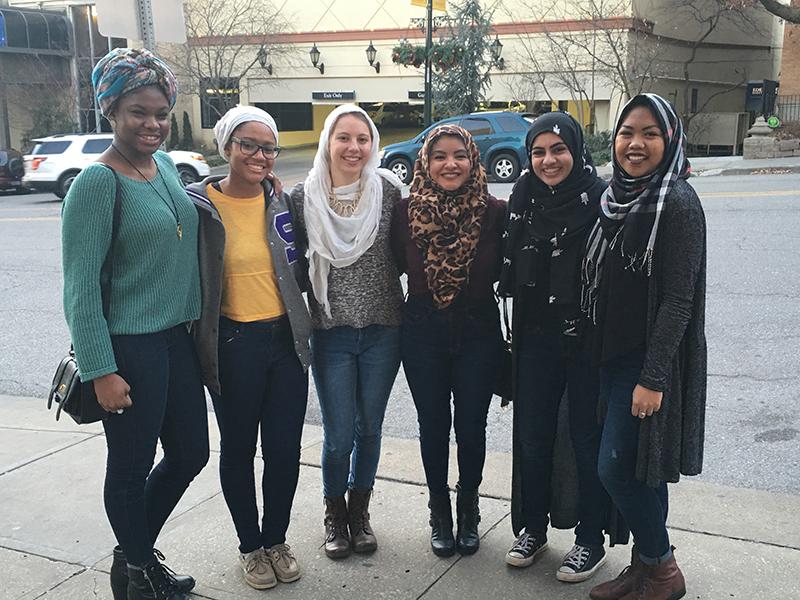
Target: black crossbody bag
73	396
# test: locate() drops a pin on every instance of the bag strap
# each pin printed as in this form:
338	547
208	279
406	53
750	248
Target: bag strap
108	263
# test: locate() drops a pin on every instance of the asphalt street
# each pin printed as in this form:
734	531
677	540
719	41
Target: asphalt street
753	426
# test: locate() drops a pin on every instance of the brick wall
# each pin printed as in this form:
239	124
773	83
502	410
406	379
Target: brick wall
790	61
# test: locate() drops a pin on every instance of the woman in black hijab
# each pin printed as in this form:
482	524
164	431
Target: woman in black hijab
644	285
551	212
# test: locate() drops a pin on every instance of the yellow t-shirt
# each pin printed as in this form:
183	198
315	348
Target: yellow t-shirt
250	289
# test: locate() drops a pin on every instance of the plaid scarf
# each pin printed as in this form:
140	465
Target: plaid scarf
631	207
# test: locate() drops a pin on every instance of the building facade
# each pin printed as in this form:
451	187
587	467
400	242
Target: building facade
654	45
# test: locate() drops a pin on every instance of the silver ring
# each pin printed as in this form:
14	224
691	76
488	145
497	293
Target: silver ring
642	415
119	411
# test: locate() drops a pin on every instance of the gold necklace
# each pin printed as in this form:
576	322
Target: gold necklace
171	204
342	207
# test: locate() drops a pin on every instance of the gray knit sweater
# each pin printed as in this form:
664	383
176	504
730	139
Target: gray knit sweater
367	292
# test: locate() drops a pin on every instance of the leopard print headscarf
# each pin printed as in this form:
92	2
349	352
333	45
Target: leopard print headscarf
446	225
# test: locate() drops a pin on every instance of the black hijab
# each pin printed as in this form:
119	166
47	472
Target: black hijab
552	220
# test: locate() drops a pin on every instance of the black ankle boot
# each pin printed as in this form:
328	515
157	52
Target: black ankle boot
442	542
153	582
119	576
468	515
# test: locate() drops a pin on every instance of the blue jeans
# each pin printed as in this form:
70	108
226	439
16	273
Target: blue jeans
543	373
168	403
263	388
451	352
644	508
354	370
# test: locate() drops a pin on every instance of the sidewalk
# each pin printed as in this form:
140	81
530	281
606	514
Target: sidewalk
55	541
709	166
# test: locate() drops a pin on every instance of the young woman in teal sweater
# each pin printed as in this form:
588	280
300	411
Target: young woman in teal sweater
139	354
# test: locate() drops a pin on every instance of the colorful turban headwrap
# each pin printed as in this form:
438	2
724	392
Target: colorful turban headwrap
124	70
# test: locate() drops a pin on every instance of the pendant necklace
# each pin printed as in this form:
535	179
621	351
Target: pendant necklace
171	204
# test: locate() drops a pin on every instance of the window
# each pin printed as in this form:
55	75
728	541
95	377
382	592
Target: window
37	31
51	147
477	126
216	97
96	146
510	124
59	33
563	105
290	116
16	29
693	108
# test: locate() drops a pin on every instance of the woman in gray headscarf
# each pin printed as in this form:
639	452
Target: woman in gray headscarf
253	338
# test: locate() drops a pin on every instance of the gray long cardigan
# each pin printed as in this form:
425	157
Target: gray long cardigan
288	259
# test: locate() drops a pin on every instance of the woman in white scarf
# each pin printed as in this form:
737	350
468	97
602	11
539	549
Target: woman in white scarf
339	238
345	207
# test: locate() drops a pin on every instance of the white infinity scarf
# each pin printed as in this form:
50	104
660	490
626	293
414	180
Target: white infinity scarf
334	240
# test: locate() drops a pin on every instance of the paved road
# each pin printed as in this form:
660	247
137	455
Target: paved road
753	432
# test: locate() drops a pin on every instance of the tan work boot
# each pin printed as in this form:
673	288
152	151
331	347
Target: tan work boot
624	583
258	572
337	538
283	563
362	537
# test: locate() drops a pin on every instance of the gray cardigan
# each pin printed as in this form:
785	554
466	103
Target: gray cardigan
288	260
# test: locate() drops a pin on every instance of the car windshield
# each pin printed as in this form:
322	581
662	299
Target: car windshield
51	147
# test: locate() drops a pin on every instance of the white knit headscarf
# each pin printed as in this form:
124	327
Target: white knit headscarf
236	116
334	240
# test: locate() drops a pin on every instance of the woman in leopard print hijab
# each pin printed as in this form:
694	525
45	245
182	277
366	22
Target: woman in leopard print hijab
447	238
446	224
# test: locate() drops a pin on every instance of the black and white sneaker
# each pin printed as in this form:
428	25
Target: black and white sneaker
525	550
581	563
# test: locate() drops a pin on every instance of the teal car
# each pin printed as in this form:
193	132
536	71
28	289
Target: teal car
500	136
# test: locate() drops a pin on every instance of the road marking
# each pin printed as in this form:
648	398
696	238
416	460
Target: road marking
21	219
748	194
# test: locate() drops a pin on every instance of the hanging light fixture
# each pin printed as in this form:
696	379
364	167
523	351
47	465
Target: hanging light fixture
263	60
371	54
496	48
314	53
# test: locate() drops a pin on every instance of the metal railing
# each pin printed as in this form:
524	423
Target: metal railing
788	108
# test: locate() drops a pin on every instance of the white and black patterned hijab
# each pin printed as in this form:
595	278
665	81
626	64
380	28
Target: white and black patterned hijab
631	207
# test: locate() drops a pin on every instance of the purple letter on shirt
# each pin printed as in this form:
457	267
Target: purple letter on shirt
283	225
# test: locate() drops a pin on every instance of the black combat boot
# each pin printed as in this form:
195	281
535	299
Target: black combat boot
442	542
119	576
468	515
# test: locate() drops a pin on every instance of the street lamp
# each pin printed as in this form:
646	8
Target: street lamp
496	48
314	53
263	60
371	54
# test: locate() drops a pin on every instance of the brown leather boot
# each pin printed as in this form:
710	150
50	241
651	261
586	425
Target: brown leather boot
624	583
660	582
337	539
362	537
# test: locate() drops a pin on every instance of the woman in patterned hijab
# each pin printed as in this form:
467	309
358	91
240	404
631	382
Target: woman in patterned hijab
447	238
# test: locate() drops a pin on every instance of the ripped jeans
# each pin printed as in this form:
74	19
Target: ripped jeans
644	508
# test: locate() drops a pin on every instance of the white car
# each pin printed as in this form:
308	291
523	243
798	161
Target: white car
57	159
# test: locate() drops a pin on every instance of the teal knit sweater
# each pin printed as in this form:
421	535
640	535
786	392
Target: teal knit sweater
156	284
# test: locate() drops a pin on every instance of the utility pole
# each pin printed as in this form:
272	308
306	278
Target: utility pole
428	70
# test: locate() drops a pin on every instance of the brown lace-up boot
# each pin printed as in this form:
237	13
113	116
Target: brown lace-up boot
337	538
624	583
362	538
660	582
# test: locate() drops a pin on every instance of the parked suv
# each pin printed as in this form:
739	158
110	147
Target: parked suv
11	170
56	160
500	137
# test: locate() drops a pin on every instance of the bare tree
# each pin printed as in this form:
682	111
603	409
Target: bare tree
788	13
224	41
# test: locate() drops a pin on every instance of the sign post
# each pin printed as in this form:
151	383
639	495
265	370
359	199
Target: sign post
146	20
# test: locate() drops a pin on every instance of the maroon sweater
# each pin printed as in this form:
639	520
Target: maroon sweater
485	268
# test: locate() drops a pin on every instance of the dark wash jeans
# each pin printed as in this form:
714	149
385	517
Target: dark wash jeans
451	352
263	387
543	373
168	403
354	370
644	508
